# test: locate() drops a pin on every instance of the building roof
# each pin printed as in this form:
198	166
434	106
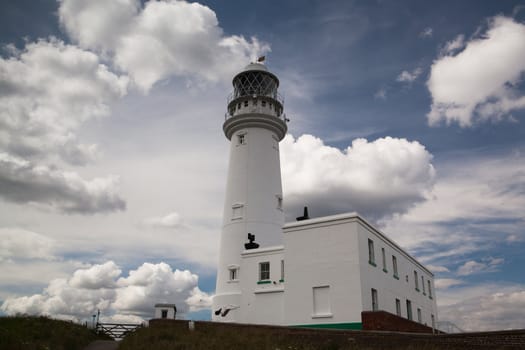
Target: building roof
255	66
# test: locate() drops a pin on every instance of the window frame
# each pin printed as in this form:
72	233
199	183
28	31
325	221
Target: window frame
375	300
394	267
262	271
371	253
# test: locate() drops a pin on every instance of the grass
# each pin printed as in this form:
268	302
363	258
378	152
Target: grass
213	336
42	333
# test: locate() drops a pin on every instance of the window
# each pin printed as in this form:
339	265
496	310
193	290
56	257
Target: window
279	201
321	302
409	310
433	321
394	266
164	313
233	274
264	271
282	271
371	257
419	319
375	306
416	280
241	139
263	103
246	103
239	105
423	284
237	210
384	259
429	289
398	307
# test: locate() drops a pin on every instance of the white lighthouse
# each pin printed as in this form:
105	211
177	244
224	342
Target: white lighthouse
254	124
321	272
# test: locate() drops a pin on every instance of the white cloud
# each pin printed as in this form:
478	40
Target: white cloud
479	83
435	268
454	45
102	287
483	307
380	94
48	91
409	77
171	220
376	178
445	283
161	39
96	277
24	182
473	267
22	244
480	210
426	33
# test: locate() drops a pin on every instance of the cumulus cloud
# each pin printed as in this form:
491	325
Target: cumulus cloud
409	77
473	267
24	182
47	91
162	38
376	178
454	45
171	220
118	298
22	244
480	82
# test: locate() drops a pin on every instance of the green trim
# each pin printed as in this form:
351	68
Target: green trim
396	277
417	289
430	296
281	280
356	326
385	270
372	263
424	293
264	282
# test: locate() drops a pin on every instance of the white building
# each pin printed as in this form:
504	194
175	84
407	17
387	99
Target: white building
320	272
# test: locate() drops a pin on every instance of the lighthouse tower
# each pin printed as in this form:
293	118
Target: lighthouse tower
253	215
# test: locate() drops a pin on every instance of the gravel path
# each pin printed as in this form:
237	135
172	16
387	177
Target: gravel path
102	345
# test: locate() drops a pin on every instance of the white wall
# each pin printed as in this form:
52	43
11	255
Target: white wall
322	253
262	302
254	184
388	287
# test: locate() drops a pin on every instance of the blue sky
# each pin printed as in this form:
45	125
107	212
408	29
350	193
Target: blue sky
112	153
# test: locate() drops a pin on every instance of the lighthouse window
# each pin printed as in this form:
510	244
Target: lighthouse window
245	103
237	211
239	105
263	103
416	281
241	139
264	271
233	274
